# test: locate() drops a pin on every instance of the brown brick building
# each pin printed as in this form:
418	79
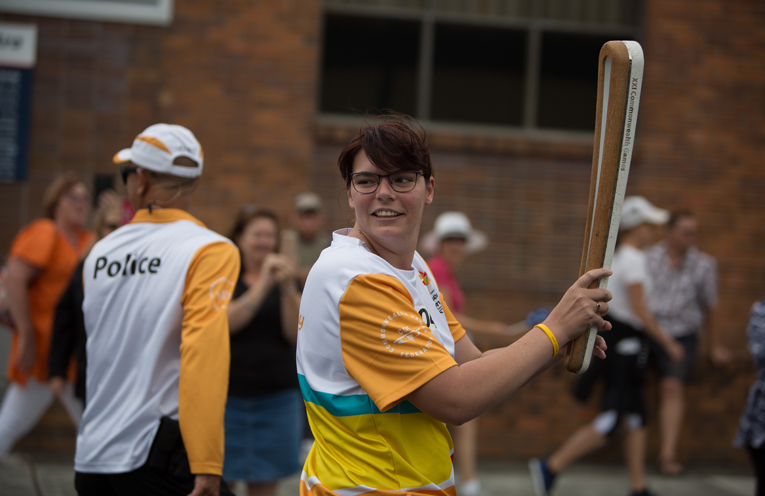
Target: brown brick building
251	79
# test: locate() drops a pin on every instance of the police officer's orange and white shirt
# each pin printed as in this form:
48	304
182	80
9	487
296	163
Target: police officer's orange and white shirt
155	308
369	335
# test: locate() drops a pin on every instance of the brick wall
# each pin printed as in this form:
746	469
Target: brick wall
244	78
241	75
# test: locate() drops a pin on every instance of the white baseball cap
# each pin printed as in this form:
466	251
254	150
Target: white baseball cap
637	210
454	225
157	147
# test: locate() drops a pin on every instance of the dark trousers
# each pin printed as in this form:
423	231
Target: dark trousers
758	461
143	481
166	471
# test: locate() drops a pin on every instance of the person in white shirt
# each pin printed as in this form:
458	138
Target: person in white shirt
623	369
156	297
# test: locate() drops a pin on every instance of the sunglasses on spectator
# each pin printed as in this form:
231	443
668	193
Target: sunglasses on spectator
126	171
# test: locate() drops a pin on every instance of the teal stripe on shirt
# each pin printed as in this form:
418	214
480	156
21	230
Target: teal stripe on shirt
347	406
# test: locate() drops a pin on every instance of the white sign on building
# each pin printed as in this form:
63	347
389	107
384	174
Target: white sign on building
158	12
18	45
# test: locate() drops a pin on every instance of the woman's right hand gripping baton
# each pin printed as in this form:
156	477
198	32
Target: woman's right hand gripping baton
580	308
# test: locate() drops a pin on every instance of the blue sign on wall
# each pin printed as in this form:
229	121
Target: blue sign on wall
15	109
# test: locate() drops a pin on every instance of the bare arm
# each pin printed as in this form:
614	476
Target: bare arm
284	272
471	324
674	349
244	308
480	381
465	351
718	352
302	274
21	275
481	326
464	392
277	269
290	308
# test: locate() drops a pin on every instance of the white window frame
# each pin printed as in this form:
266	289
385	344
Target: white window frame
159	13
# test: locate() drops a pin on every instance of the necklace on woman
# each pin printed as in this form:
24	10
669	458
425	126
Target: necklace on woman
367	242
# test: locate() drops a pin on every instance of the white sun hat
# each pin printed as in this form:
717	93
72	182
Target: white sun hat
453	225
637	210
157	147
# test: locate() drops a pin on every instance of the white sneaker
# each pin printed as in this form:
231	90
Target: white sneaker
305	448
471	488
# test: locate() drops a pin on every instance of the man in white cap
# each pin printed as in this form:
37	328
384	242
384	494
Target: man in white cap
156	293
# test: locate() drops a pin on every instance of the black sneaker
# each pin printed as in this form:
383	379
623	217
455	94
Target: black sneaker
644	492
541	478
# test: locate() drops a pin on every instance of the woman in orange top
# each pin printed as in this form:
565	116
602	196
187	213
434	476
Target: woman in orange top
42	259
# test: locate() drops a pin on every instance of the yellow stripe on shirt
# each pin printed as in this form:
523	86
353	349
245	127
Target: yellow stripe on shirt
205	355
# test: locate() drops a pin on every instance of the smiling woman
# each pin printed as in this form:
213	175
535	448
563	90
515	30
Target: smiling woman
382	168
263	410
382	361
42	259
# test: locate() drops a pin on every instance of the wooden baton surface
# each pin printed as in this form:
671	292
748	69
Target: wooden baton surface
619	82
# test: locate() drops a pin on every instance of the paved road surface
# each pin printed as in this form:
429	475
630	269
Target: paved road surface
30	475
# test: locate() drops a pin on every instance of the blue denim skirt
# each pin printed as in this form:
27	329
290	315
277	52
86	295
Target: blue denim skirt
263	436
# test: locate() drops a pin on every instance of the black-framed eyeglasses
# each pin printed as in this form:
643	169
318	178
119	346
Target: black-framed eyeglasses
126	171
400	182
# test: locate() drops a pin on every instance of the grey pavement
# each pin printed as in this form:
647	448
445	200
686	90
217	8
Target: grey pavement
33	475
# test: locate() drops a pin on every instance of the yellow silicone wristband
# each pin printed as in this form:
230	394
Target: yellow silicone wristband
550	335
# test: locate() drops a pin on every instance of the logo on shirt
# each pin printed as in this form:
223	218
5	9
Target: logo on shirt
424	278
408	334
220	293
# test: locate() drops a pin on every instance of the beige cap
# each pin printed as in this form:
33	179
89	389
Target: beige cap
308	202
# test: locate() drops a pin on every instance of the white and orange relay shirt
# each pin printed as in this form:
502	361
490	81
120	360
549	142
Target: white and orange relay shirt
370	334
155	307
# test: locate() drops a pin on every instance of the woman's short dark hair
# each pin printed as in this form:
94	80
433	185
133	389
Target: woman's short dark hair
58	188
249	213
396	143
